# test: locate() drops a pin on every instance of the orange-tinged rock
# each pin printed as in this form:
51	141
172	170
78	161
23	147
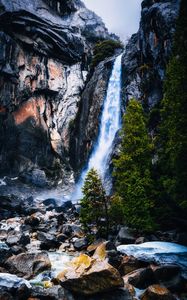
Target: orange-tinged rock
97	277
95	245
30	109
100	252
157	292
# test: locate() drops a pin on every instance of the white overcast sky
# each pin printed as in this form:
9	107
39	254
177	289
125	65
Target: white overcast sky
120	16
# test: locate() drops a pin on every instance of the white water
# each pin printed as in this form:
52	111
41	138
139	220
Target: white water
160	252
110	124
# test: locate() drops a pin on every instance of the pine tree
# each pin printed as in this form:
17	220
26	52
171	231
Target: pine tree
94	202
173	128
132	170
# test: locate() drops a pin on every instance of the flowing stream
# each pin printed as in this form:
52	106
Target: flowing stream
109	125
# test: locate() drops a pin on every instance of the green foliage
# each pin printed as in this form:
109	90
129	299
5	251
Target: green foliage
116	214
94	202
172	139
103	50
132	172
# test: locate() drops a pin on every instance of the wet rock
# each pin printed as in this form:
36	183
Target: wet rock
169	276
37	177
80	244
50	201
141	240
166	272
11	203
13	287
107	250
28	264
15	238
91	248
61	238
66	206
159	252
125	236
140	278
130	264
17	249
5	253
64	246
88	277
114	258
32	220
67	230
48	241
61	219
53	293
157	292
3	234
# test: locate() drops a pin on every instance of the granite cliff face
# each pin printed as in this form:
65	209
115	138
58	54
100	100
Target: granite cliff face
148	52
45	51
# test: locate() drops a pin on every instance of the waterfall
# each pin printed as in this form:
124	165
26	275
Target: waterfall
109	125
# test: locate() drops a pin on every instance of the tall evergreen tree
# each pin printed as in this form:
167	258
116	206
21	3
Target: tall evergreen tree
94	202
173	128
133	169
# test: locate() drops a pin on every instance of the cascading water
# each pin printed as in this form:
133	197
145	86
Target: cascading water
110	124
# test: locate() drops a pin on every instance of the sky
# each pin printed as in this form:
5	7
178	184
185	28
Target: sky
120	16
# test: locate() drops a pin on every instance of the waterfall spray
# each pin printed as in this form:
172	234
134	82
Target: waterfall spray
110	124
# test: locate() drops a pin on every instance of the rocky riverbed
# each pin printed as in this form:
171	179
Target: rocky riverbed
44	254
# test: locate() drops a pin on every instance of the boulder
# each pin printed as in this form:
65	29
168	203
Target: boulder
32	220
61	219
50	201
28	264
157	292
5	253
140	278
165	272
130	264
52	293
91	248
87	276
61	238
48	241
10	204
80	244
125	236
67	229
169	276
37	177
13	287
15	238
159	252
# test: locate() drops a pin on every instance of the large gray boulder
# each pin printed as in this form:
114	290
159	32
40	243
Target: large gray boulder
13	287
28	264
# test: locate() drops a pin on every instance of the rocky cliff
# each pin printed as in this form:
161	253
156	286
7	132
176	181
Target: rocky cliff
46	47
50	101
148	52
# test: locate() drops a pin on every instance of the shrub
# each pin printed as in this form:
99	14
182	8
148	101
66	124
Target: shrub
103	50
